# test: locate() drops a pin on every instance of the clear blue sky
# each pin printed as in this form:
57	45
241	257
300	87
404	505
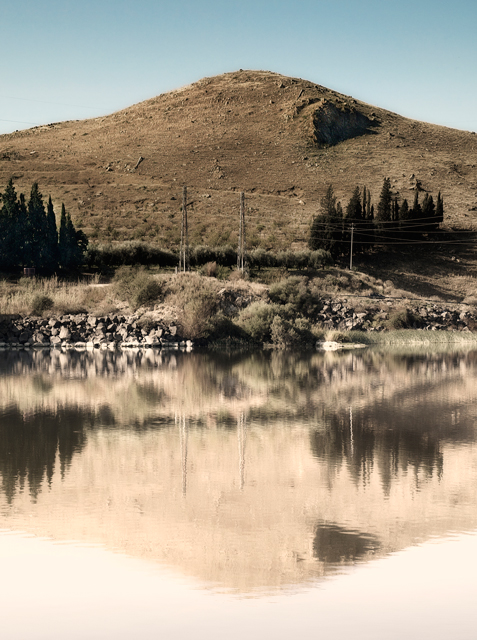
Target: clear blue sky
64	60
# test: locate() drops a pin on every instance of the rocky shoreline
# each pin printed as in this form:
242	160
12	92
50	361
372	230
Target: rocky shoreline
342	315
136	331
86	331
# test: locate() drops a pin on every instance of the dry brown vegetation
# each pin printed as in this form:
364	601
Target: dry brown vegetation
266	134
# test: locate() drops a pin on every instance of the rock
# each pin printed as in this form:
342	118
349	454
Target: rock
65	333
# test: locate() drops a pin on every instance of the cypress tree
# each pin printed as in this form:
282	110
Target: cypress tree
11	228
354	216
36	229
439	212
428	213
326	228
404	216
51	247
415	221
384	212
72	243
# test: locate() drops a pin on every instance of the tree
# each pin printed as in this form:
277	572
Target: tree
72	243
415	218
384	212
354	216
36	238
404	217
51	246
428	213
439	212
12	221
384	204
326	228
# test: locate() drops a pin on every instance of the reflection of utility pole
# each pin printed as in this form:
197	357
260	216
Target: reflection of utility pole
241	242
184	436
242	437
351	430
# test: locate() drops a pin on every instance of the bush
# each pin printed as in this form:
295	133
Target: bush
299	294
209	269
403	319
41	303
136	286
256	320
128	253
286	334
197	302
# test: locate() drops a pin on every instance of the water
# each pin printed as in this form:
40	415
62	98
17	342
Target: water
198	495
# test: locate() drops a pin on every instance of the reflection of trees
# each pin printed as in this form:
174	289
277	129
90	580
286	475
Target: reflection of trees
334	544
31	444
401	434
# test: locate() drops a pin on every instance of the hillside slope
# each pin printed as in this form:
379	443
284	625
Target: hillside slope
281	140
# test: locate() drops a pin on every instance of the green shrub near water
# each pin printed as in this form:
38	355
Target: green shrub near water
136	286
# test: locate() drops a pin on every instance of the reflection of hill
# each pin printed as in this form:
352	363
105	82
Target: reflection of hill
337	457
333	544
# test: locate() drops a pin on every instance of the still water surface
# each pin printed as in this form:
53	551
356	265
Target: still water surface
196	495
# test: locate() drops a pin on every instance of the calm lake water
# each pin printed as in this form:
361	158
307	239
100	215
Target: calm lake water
186	495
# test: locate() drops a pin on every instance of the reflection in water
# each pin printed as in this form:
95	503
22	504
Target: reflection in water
248	471
333	544
31	444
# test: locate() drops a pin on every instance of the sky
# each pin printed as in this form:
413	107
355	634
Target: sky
65	60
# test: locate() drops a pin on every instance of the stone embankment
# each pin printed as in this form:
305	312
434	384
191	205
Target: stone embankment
344	316
110	332
83	331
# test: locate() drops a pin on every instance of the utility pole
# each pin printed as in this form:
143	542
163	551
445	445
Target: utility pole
351	249
184	250
241	260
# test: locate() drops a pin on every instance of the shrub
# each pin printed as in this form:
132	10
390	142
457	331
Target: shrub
301	295
41	303
136	286
256	320
197	302
403	319
209	269
128	253
286	334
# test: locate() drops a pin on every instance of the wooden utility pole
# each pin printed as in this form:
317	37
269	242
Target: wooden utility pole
184	250
241	259
351	249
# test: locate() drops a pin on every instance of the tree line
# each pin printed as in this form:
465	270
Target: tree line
29	235
392	222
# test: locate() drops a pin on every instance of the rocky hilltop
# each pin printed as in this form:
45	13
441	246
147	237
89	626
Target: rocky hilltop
281	140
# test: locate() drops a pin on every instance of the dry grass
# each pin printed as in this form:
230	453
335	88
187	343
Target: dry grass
67	297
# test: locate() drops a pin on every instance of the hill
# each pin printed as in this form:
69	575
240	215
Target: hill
281	140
